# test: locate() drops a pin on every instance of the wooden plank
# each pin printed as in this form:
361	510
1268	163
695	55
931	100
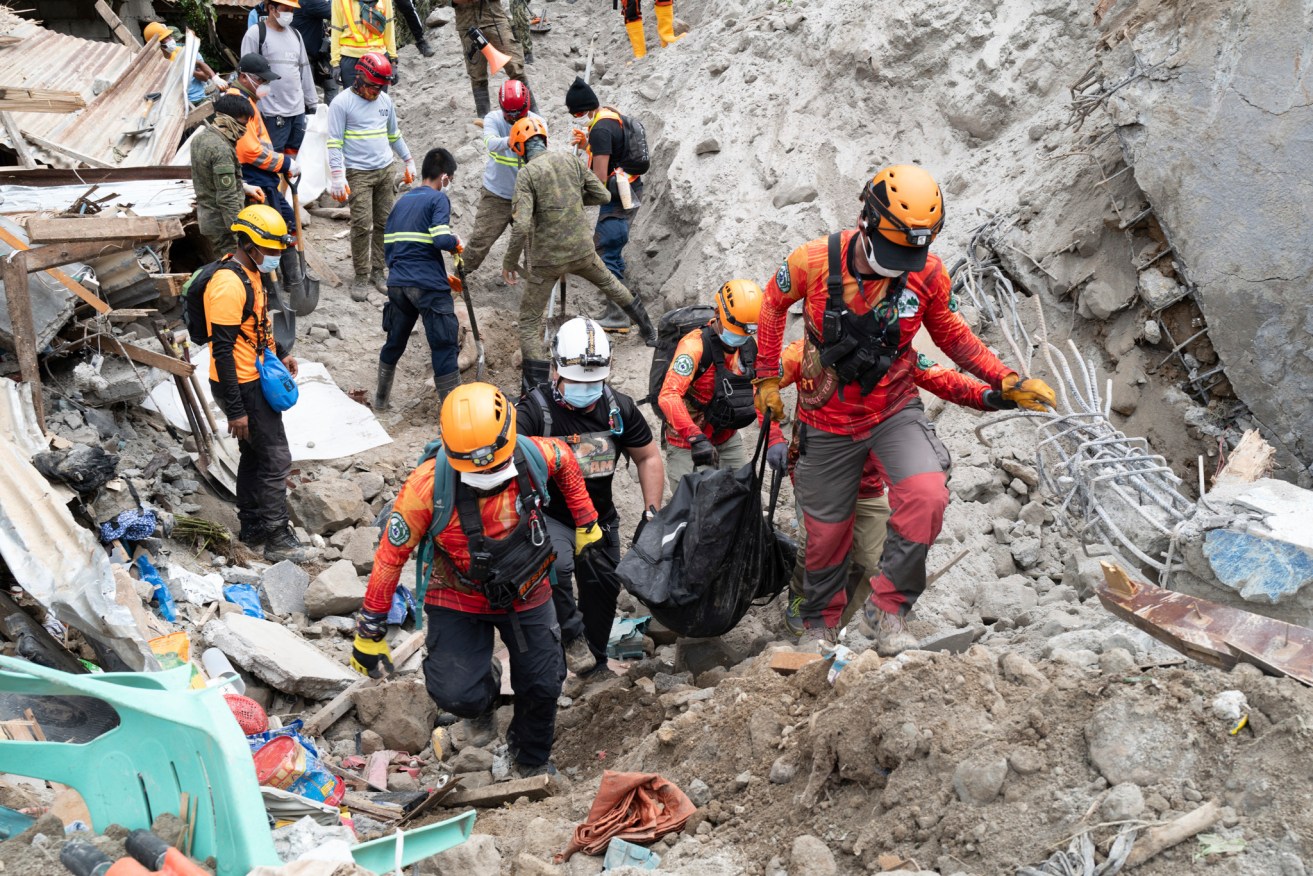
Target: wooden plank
69	283
319	267
66	152
146	357
16	136
100	227
169	285
120	30
789	662
19	301
39	100
55	254
384	812
535	788
341	704
198	114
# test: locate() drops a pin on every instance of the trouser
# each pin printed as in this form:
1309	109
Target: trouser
611	233
267	182
406	305
491	219
913	464
218	240
679	460
264	463
371	202
634	12
593	614
539	287
458	672
413	24
489	17
348	67
286	132
869	529
521	18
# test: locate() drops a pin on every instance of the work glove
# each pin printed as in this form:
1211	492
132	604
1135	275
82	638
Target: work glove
293	168
409	175
777	456
1030	393
337	76
253	192
370	654
338	190
704	452
766	397
642	521
457	287
396	71
585	536
460	244
579	138
219	83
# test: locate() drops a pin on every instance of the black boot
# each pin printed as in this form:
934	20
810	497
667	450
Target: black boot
481	103
424	48
289	272
282	544
613	319
638	314
536	373
445	383
385	374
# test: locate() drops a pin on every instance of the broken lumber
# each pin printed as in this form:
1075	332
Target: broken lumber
49	146
137	354
1252	459
198	114
15	99
789	662
169	285
99	227
19	301
341	704
382	812
534	788
1160	839
120	29
16	136
68	282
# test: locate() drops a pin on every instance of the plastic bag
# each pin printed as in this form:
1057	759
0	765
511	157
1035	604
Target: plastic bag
247	597
163	598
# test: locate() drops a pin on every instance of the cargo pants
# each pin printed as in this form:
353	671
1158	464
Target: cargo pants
679	460
371	201
491	220
539	287
489	17
593	613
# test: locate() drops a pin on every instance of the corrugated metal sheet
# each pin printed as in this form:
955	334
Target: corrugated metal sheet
238	4
45	59
160	198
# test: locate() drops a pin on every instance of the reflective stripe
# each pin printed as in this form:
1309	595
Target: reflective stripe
392	138
408	236
439	230
370	134
334	144
503	159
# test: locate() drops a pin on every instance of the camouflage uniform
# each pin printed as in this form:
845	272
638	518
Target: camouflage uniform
217	179
551	192
520	20
489	17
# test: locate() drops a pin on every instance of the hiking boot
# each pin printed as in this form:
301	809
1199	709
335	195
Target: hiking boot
282	544
793	616
253	534
613	319
482	729
528	772
424	47
360	288
384	388
579	657
379	280
817	640
887	629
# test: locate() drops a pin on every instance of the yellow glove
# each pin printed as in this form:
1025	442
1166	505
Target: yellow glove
586	535
1030	393
370	657
767	397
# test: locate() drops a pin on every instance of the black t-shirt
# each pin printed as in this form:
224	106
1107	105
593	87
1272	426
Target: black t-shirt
565	422
607	137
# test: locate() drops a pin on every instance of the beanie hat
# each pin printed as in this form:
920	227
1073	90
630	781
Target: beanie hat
580	98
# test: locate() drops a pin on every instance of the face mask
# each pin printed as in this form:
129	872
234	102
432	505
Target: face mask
730	339
169	46
268	263
581	395
262	91
489	480
284	18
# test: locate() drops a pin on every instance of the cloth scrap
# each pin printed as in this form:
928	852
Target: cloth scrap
637	807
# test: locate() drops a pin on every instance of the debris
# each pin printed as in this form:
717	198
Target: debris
789	662
341	704
284	585
980	780
1158	839
335	591
534	788
625	854
639	807
85	469
401	712
811	857
1215	844
278	656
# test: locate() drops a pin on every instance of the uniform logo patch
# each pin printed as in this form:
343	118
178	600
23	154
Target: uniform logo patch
398	529
924	362
784	279
683	365
908	303
952	302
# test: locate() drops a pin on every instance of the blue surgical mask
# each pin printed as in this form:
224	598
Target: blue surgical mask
730	339
581	395
268	263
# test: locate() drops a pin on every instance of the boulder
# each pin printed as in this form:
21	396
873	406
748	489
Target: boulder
1005	598
811	857
980	780
335	591
277	656
360	547
400	711
972	483
1100	299
284	586
325	506
1136	742
1158	291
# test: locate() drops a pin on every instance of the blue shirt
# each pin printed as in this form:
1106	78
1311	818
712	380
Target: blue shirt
414	238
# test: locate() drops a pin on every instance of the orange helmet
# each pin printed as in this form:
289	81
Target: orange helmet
478	427
738	306
525	130
902	212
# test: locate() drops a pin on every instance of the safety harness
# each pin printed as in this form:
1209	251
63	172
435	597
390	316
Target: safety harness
730	405
859	348
596	452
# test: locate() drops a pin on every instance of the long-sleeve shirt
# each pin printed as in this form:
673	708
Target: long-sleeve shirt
551	192
503	165
363	134
926	300
683	384
233	340
217	181
293	93
353	39
416	235
413	512
254	147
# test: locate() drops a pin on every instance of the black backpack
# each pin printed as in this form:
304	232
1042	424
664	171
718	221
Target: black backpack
193	298
671	328
636	160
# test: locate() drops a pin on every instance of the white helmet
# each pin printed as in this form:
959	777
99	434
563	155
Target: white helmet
582	351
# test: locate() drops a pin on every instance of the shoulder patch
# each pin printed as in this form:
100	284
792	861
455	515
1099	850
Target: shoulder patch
908	303
952	302
783	278
398	529
924	362
683	365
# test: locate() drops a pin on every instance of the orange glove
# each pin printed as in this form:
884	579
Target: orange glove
1029	393
579	138
457	287
409	175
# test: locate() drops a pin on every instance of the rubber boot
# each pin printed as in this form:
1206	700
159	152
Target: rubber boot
424	47
613	319
481	102
289	271
636	38
665	16
638	314
535	373
445	383
384	389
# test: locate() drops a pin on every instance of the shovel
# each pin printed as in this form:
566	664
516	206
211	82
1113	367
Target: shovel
308	300
284	318
143	125
480	367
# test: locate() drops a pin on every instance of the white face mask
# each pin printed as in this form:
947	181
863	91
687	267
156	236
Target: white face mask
284	18
169	46
262	91
489	480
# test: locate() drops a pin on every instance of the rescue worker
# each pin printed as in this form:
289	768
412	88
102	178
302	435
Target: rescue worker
493	214
363	137
418	232
359	28
604	144
292	94
665	16
706	396
216	176
866	292
203	78
548	208
484	564
311	19
490	18
598	422
262	164
237	317
415	26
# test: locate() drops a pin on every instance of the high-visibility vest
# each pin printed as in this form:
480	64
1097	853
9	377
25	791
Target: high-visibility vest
355	35
608	113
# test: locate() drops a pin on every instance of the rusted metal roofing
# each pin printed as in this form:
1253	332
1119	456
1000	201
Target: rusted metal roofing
239	4
42	58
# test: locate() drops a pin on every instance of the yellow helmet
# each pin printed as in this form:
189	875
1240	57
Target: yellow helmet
902	213
478	427
738	306
264	225
157	29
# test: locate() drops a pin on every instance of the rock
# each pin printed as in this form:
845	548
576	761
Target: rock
335	591
1158	291
794	193
1100	299
371	483
370	742
1027	551
402	782
471	760
1035	513
972	483
742	780
400	711
477	856
980	780
951	641
360	548
325	506
1117	661
718	65
1123	802
284	587
698	792
764	728
783	770
1153	332
1026	761
854	673
1017	469
277	656
811	857
528	865
1005	598
440	17
709	146
1134	742
1017	669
